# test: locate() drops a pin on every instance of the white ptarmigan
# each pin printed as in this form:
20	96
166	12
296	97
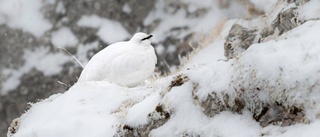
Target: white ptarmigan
127	63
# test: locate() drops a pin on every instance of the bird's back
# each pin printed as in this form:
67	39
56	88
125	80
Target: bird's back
123	63
99	64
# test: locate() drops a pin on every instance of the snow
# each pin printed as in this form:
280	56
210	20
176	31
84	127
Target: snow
298	130
126	8
159	49
171	49
182	19
233	125
92	21
83	49
110	31
60	8
137	114
287	63
162	31
208	55
310	10
184	108
25	15
43	56
202	4
265	5
81	105
64	37
285	68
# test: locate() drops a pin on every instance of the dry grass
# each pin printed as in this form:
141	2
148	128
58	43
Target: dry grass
202	41
153	80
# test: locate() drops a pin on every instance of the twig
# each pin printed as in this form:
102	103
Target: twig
72	56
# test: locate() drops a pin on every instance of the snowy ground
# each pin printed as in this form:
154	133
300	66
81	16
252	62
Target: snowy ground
285	70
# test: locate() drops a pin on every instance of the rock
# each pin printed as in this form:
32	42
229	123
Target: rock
238	40
276	114
297	2
155	119
286	20
214	103
178	81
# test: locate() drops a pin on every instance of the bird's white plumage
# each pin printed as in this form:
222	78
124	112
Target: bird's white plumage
124	63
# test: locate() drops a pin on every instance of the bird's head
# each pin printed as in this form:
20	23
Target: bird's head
141	38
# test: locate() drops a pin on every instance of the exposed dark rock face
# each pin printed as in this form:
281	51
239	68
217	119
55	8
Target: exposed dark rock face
111	10
12	42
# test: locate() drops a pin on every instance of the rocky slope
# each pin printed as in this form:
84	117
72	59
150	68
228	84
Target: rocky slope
253	77
31	33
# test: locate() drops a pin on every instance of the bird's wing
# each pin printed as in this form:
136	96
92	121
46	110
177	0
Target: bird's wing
132	63
99	65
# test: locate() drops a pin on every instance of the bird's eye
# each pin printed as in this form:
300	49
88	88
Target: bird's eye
146	38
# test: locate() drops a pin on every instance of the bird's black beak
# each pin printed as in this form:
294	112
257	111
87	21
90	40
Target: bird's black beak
146	38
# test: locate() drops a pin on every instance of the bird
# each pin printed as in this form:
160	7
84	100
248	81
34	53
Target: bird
127	63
